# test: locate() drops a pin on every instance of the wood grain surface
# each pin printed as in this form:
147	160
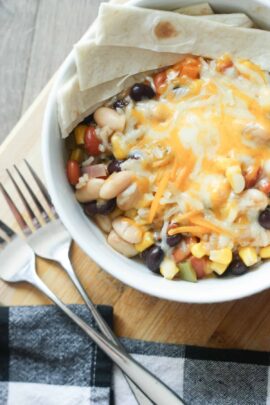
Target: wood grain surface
238	324
35	37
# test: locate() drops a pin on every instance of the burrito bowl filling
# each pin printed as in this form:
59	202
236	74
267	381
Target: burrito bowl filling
176	169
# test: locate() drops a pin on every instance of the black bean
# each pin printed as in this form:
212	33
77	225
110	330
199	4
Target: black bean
114	166
140	91
88	120
264	218
173	240
121	103
153	257
102	207
236	268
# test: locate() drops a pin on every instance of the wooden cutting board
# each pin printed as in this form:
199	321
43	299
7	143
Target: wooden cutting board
239	324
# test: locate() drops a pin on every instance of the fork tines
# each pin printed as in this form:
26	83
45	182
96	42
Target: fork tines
6	229
7	232
35	220
40	184
13	208
23	199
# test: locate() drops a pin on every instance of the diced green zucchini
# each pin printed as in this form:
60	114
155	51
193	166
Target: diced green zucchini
187	272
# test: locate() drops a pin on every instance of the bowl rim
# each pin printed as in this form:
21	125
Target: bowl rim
146	282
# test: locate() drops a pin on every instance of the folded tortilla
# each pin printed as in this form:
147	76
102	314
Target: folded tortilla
233	20
100	84
97	64
196	9
90	57
164	31
74	105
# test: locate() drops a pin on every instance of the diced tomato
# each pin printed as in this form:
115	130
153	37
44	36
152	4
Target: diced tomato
189	67
180	254
160	81
91	142
191	71
199	265
191	60
182	251
73	172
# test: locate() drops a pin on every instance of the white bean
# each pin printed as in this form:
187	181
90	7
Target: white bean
129	197
107	117
90	191
127	229
115	184
120	245
256	133
104	222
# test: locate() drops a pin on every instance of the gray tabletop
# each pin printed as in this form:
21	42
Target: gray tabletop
35	37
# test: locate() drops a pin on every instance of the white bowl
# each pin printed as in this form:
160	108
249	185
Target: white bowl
87	234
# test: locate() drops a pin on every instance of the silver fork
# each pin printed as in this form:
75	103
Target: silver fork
23	270
52	241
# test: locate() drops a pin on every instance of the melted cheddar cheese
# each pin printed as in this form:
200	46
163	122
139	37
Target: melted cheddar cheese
196	141
198	154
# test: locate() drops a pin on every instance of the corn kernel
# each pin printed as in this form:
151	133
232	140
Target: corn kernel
118	149
223	256
147	241
265	252
248	255
208	270
168	269
79	133
131	213
77	154
218	268
235	178
116	213
198	250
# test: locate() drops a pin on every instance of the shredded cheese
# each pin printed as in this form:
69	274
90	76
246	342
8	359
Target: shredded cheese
207	224
189	229
183	217
161	188
174	169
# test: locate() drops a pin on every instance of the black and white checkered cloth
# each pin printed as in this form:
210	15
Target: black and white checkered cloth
47	360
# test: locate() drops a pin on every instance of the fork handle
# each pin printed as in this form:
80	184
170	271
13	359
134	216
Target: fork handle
102	324
154	389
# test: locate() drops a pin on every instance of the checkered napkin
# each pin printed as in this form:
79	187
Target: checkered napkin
47	360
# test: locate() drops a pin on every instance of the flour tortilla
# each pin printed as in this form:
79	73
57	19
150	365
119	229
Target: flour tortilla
101	79
94	62
97	64
89	57
233	20
74	105
204	10
163	31
196	9
94	67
